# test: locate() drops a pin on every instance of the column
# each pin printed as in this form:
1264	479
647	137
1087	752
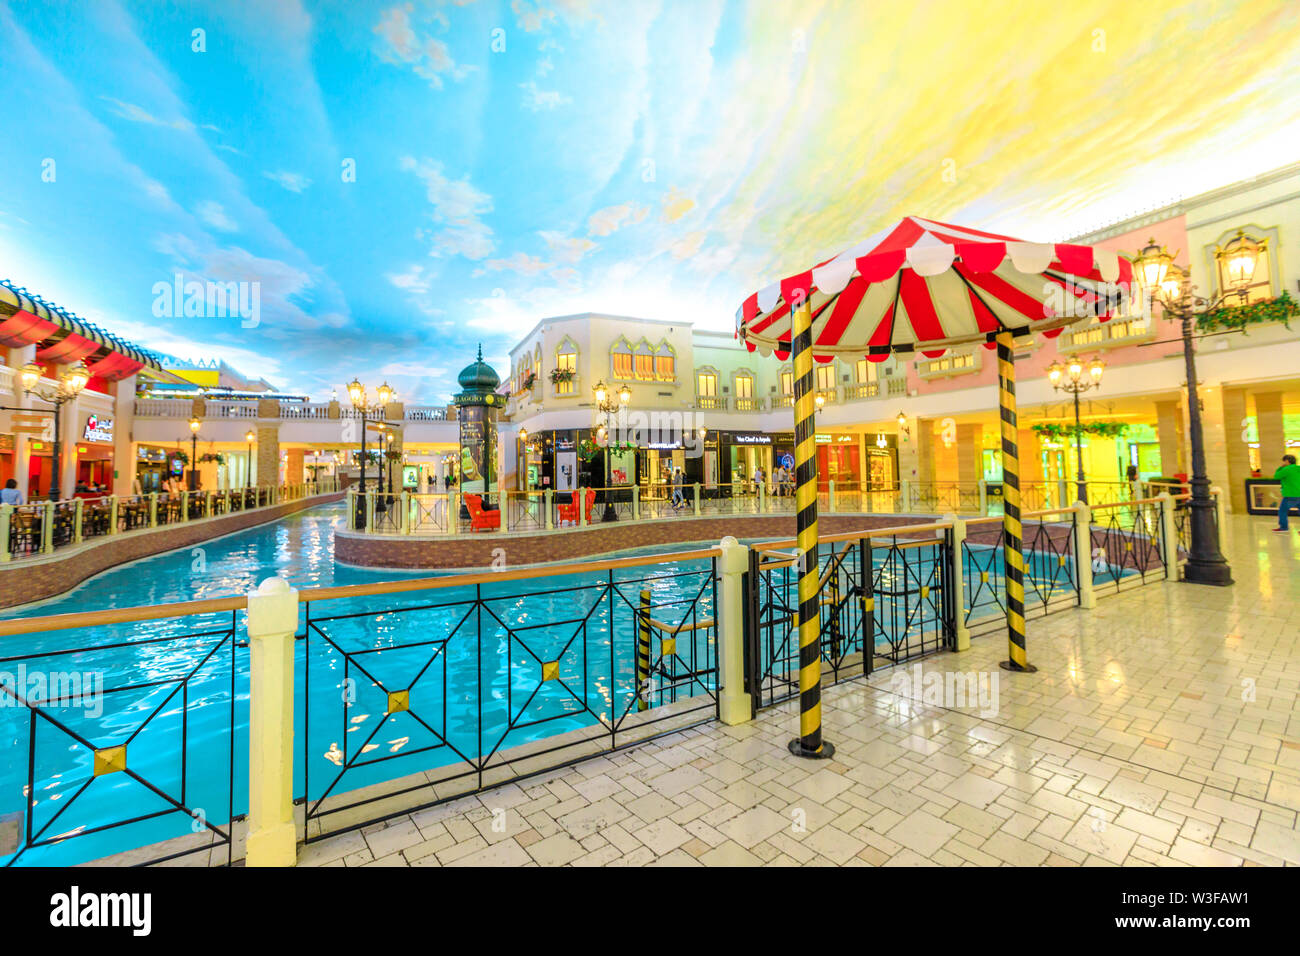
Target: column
293	466
1227	456
22	443
925	465
1271	431
267	453
124	450
1169	430
970	453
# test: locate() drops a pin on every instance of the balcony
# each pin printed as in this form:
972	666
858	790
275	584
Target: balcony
711	402
1106	335
861	390
749	404
946	366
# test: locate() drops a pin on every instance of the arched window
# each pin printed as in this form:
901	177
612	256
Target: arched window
566	368
645	361
621	359
665	363
706	382
743	383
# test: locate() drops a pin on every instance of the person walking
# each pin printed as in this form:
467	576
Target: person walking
1289	475
679	499
759	478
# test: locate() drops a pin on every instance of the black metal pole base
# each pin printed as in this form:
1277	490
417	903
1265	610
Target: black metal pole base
609	513
1013	666
1214	573
797	748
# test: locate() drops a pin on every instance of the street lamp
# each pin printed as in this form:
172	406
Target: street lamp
70	384
193	481
1161	281
607	405
357	394
1069	378
249	437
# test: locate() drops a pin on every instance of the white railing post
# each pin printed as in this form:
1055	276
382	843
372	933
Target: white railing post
370	511
112	514
1062	492
636	502
550	514
1083	554
1169	532
961	630
6	517
185	505
76	521
453	513
697	498
272	621
905	494
762	497
984	498
734	705
207	504
47	528
830	496
405	524
153	509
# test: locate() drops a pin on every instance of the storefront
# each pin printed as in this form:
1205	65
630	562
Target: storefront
839	459
6	457
742	454
882	462
94	453
151	469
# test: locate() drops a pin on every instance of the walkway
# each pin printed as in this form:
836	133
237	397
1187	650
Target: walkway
1161	728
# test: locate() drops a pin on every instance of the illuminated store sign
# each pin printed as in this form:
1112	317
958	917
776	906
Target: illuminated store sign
99	429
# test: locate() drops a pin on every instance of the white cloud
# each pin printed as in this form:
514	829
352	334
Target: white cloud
520	262
457	207
536	99
604	222
687	246
403	44
294	182
566	249
215	216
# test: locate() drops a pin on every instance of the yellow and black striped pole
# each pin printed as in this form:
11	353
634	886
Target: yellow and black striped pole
643	654
809	742
1013	557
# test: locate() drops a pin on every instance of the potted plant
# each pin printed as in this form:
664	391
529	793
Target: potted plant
559	375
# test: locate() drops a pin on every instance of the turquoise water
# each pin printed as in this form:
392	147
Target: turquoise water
472	680
172	690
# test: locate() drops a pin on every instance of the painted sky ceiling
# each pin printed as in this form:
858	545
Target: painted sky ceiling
402	180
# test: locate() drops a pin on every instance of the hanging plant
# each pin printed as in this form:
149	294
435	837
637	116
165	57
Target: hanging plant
1229	317
1059	431
180	456
559	375
216	456
588	449
394	455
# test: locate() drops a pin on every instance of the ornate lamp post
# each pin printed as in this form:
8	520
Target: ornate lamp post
249	436
193	481
1069	378
70	384
608	406
357	394
1171	287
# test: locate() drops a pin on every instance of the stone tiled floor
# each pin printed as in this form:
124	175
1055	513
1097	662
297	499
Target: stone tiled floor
1161	729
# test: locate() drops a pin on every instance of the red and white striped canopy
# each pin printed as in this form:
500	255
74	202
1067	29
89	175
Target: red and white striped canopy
924	286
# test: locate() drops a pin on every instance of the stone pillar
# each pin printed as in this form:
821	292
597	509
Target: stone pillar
70	415
124	449
22	443
970	453
1271	431
925	465
1227	456
268	453
1169	430
293	470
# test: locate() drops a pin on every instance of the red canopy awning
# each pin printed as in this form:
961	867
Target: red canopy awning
71	348
114	367
23	328
925	286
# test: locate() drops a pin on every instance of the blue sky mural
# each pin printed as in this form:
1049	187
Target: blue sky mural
403	180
